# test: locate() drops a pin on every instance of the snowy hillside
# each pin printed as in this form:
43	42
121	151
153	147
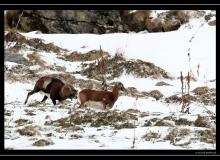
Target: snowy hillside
147	116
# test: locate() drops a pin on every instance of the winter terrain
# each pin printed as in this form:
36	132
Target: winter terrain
147	116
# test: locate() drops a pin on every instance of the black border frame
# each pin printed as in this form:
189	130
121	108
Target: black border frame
103	152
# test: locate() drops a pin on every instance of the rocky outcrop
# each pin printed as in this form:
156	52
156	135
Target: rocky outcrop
94	21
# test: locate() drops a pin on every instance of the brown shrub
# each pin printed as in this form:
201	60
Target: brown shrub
201	122
208	135
183	121
89	56
212	23
42	142
151	135
35	59
28	131
156	94
173	99
201	90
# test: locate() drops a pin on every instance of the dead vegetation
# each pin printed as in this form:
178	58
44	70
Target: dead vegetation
29	131
34	58
183	122
163	123
207	136
175	135
21	122
202	95
118	64
200	90
156	94
201	122
75	136
42	142
173	99
95	119
89	56
34	44
124	125
151	136
161	83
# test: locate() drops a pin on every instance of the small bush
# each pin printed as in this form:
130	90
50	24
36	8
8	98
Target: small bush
147	123
208	136
173	99
201	90
28	131
76	136
161	83
172	136
89	56
21	122
201	122
162	123
156	94
183	121
124	125
212	23
183	132
151	135
42	142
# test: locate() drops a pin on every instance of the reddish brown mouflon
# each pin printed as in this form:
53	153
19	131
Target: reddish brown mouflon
54	88
106	98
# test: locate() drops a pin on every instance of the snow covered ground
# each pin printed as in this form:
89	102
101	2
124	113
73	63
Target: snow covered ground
168	50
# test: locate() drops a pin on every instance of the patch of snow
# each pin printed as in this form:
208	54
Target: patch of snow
34	67
10	65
